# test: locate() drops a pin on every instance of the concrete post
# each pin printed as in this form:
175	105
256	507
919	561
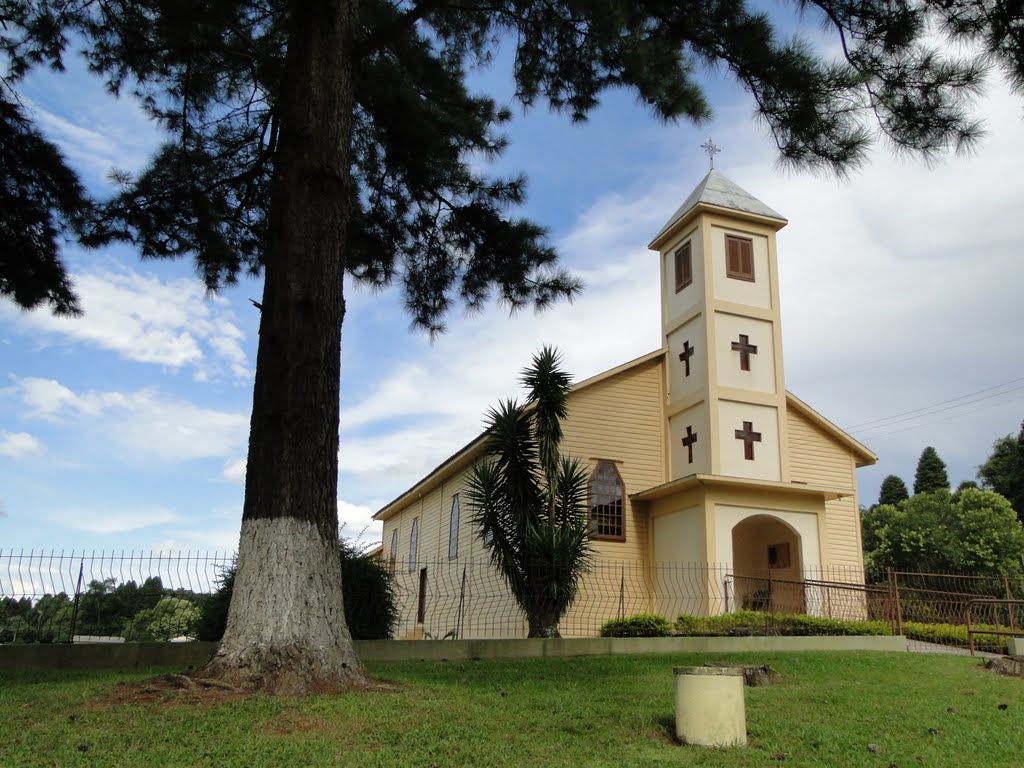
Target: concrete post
710	709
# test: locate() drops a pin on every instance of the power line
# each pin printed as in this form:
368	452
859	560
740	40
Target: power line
948	418
929	410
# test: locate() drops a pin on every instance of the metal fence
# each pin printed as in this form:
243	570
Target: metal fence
49	596
68	596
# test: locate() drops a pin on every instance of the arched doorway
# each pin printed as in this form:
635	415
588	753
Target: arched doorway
767	565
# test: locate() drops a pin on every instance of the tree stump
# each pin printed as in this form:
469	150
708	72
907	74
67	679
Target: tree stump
1011	666
753	674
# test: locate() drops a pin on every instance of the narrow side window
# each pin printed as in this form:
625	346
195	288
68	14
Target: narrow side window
453	529
412	543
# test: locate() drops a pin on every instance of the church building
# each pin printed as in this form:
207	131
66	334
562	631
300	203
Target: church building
712	487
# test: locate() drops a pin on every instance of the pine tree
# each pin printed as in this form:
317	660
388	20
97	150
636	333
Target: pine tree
931	473
893	491
1003	470
306	140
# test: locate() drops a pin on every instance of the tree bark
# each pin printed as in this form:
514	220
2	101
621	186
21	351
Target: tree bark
286	630
543	622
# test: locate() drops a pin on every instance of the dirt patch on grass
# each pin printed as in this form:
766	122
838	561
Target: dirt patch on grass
184	690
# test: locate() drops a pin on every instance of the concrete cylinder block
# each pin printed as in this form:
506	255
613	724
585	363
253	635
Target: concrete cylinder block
710	708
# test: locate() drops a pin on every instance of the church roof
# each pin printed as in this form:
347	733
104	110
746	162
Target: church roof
474	449
718	191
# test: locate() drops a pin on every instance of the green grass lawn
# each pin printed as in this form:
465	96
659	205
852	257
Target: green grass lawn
826	711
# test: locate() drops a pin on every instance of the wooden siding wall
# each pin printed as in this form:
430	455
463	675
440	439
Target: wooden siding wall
816	458
619	419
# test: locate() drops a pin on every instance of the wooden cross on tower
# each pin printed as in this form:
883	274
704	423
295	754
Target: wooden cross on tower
688	441
685	355
749	437
746	349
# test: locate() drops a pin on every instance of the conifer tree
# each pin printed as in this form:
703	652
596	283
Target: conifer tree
931	473
305	140
1003	470
893	491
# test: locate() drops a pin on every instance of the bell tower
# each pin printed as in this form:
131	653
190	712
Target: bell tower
720	317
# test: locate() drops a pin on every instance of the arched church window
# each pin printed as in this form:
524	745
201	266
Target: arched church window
607	502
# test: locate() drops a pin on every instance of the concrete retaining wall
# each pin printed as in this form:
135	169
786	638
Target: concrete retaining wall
192	655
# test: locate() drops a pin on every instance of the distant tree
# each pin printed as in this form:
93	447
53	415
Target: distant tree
988	536
931	473
529	502
964	485
893	491
979	534
171	617
1003	471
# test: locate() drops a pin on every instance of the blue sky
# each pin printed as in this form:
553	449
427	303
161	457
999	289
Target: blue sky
126	429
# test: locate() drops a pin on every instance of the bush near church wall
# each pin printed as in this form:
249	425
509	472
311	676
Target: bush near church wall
641	625
955	634
761	623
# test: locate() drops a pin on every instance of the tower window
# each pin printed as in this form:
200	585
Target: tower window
607	502
739	258
684	267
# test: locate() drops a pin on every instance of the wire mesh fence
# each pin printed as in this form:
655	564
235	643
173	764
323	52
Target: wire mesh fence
60	597
50	596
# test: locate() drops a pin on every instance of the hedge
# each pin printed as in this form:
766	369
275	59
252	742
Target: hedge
761	623
955	634
641	625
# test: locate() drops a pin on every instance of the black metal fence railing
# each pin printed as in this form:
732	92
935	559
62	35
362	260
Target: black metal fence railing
117	596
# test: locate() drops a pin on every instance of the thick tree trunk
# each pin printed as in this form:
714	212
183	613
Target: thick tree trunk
286	629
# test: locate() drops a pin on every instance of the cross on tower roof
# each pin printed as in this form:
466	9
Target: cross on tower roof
711	150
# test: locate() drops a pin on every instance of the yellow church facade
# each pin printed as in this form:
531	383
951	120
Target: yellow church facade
712	487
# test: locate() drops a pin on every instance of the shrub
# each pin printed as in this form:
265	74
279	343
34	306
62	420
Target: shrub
759	623
955	634
371	606
641	625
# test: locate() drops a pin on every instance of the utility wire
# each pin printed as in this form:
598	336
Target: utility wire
930	410
947	418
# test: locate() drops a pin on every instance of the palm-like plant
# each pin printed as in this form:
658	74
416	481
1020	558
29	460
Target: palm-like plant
529	502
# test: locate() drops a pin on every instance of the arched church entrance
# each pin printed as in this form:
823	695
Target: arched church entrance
767	566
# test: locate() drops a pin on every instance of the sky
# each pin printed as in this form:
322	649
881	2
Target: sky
126	429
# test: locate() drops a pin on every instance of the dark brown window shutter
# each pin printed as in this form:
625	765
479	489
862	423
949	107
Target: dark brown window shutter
739	253
684	267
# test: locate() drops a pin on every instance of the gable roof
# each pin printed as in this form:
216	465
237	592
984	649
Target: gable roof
472	450
716	191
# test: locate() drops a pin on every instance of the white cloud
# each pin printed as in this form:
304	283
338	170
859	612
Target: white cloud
110	520
234	470
144	424
355	522
172	323
17	445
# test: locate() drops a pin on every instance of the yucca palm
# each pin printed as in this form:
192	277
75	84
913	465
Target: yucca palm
529	502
